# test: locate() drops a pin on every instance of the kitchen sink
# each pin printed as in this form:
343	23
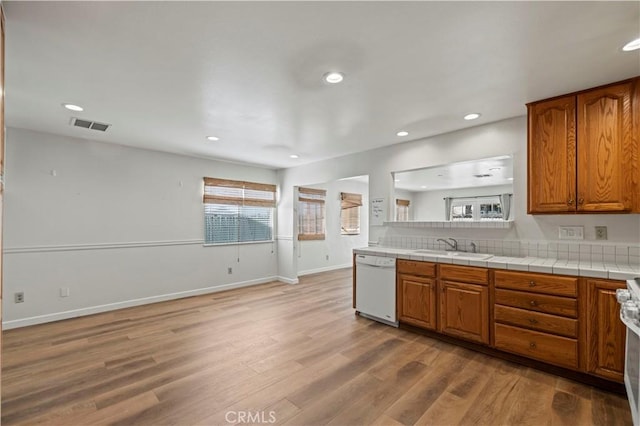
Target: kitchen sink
456	254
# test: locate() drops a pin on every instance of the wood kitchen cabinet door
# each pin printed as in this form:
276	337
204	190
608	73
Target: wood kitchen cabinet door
464	311
417	301
606	334
605	149
635	135
552	155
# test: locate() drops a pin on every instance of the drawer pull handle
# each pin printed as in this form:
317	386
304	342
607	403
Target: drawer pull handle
533	303
532	283
533	320
532	345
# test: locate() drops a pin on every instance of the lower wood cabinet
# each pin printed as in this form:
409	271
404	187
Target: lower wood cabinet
536	315
606	334
464	311
555	324
416	293
566	321
534	344
417	301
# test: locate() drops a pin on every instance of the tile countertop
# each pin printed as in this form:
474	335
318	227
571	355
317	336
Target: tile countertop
530	264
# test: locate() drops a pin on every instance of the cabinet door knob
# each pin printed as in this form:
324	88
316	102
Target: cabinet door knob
532	345
532	283
533	320
570	202
533	303
581	200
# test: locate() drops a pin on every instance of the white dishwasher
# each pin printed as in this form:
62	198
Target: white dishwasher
376	288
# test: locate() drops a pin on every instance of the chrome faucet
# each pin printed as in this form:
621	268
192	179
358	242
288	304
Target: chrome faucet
452	246
474	247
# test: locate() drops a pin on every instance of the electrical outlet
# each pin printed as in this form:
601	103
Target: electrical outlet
64	291
601	232
229	270
19	297
571	232
327	257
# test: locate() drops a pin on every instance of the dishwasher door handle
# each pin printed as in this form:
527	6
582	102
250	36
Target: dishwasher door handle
374	266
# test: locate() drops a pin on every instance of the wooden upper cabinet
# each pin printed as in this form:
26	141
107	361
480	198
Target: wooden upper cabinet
552	156
635	139
605	149
583	150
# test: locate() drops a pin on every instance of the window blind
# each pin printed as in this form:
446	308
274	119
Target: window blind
402	209
311	213
350	213
238	211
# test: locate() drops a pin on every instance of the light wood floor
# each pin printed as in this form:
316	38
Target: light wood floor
295	354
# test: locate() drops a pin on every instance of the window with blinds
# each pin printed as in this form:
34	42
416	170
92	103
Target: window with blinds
402	210
311	212
350	213
237	211
475	208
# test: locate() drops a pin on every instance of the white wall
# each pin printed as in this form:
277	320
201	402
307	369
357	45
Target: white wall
503	137
429	205
115	225
312	255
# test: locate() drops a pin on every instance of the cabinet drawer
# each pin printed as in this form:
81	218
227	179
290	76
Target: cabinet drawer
537	283
534	344
536	321
564	306
412	267
465	274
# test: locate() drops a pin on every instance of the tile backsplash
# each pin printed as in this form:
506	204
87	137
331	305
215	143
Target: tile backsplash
621	254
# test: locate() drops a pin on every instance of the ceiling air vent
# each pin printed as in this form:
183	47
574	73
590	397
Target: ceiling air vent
87	124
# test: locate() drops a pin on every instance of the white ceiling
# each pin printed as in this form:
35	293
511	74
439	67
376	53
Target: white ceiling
167	74
466	174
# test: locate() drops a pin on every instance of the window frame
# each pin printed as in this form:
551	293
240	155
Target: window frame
402	210
311	197
245	196
350	203
475	202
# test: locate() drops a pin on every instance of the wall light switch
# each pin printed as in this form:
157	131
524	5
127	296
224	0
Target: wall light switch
571	232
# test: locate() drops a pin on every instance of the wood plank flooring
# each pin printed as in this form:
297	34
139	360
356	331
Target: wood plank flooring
273	354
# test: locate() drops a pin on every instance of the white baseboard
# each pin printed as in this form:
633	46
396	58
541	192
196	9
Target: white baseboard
57	316
288	280
325	269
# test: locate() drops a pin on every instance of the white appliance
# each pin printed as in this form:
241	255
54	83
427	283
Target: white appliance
376	288
629	300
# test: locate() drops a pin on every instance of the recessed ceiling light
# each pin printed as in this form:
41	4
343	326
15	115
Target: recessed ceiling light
294	156
423	187
213	138
396	180
472	116
402	133
509	178
494	169
632	45
333	77
73	107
